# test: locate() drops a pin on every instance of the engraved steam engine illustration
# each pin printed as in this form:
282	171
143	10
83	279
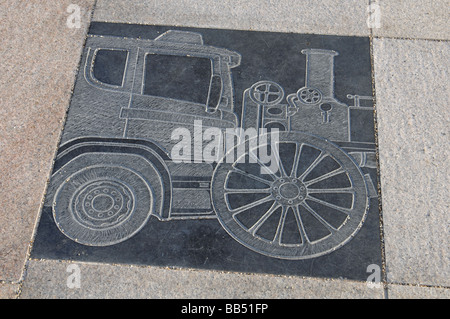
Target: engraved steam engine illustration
114	170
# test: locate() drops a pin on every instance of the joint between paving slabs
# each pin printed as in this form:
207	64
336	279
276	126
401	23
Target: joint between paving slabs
377	154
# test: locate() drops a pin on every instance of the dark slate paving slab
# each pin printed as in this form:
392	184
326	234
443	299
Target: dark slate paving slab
130	184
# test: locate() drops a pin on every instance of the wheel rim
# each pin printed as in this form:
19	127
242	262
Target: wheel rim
288	203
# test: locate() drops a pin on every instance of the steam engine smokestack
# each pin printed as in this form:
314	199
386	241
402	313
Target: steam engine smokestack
320	70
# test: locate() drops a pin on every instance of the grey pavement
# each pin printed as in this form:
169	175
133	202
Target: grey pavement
40	54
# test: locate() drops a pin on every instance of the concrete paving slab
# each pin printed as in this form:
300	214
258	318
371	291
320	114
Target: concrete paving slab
411	82
411	79
8	290
324	17
40	55
426	19
417	292
48	279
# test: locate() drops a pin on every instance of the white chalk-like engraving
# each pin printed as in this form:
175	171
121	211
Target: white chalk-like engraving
129	152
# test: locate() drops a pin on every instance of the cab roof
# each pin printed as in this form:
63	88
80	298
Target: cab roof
171	42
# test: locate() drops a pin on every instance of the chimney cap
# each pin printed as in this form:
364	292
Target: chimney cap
320	51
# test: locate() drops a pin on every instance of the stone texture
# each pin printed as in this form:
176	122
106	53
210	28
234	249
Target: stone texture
188	237
8	291
417	292
426	19
48	279
38	51
309	16
40	55
411	79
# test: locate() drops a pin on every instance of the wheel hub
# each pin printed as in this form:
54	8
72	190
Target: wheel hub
289	191
102	203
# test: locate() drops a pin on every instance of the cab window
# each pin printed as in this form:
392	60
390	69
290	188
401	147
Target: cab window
177	77
109	66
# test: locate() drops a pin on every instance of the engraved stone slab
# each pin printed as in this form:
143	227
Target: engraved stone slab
217	149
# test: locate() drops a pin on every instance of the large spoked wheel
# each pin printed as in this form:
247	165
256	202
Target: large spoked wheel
101	204
312	203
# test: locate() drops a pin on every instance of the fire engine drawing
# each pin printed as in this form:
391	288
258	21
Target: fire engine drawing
113	170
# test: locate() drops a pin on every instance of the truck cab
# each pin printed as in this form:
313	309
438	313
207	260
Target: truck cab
137	88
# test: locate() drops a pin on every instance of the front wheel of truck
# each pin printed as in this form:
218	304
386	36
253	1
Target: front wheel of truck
102	201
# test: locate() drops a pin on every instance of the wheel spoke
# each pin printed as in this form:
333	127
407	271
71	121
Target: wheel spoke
338	171
298	152
247	191
252	205
266	93
269	172
349	190
301	228
263	218
277	238
254	177
318	217
313	165
339	208
276	152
